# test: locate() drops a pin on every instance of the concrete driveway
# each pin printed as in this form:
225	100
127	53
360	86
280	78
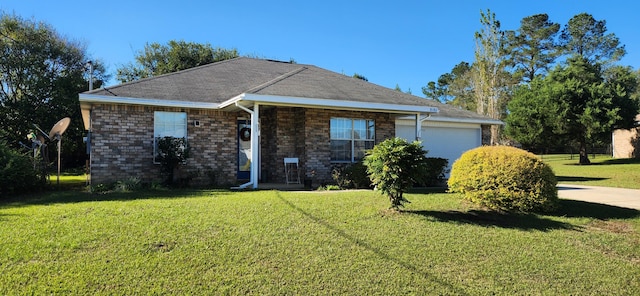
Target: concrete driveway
620	197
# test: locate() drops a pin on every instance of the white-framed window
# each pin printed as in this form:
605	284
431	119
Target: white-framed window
168	124
350	138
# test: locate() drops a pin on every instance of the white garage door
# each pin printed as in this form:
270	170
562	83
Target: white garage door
444	142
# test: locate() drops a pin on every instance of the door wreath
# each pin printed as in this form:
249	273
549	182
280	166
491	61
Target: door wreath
245	134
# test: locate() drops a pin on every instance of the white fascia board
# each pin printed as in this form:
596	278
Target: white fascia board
336	104
231	102
88	98
411	121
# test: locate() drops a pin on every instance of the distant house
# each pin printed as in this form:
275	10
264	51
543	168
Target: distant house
626	143
242	117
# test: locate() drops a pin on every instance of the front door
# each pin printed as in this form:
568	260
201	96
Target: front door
244	149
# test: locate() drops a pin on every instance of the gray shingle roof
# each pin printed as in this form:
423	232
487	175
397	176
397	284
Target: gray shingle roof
221	81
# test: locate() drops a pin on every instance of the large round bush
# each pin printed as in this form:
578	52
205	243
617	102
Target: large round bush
504	178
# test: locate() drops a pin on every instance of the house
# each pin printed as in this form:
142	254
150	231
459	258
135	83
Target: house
626	143
242	117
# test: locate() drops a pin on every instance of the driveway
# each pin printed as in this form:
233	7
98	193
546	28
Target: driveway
620	197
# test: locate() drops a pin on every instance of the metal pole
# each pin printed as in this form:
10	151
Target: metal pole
59	146
90	64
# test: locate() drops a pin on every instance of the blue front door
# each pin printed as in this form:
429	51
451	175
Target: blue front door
244	149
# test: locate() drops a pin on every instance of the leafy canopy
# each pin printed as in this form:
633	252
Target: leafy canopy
41	74
578	103
533	48
157	59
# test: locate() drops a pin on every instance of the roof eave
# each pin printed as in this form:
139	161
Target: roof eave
329	104
88	99
466	120
481	121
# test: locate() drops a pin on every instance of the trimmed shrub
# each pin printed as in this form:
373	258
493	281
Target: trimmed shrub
506	179
17	174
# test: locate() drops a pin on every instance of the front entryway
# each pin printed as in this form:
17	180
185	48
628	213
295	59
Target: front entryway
244	149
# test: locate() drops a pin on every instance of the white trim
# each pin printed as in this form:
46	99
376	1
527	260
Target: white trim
466	120
89	98
263	99
409	120
255	145
233	101
332	104
253	176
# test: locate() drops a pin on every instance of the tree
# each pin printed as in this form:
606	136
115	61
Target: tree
361	77
586	37
578	102
490	78
41	74
157	59
394	165
439	91
532	47
453	88
531	116
434	91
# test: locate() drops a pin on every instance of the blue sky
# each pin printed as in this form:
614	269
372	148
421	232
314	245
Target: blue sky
405	43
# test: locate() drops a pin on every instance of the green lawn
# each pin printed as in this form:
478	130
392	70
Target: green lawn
604	171
307	243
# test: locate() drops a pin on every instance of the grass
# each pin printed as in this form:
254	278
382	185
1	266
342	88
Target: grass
604	171
309	243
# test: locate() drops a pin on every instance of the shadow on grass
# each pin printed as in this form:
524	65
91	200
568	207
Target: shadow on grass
618	161
76	196
456	290
577	179
494	219
424	190
568	208
581	209
615	161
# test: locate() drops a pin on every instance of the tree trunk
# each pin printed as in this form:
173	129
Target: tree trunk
495	135
584	156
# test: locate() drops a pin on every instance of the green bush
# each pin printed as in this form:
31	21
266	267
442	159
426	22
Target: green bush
17	174
435	171
130	184
172	152
505	179
394	166
352	176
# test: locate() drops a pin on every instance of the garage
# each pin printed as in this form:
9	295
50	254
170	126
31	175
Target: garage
443	139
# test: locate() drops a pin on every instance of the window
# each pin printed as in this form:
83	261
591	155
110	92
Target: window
350	138
168	124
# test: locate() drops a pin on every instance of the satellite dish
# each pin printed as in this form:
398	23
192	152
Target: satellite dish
59	128
56	133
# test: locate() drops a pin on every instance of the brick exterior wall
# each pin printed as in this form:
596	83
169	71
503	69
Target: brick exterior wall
122	142
305	133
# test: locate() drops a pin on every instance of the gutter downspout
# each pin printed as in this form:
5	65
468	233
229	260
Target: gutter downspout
253	177
419	125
